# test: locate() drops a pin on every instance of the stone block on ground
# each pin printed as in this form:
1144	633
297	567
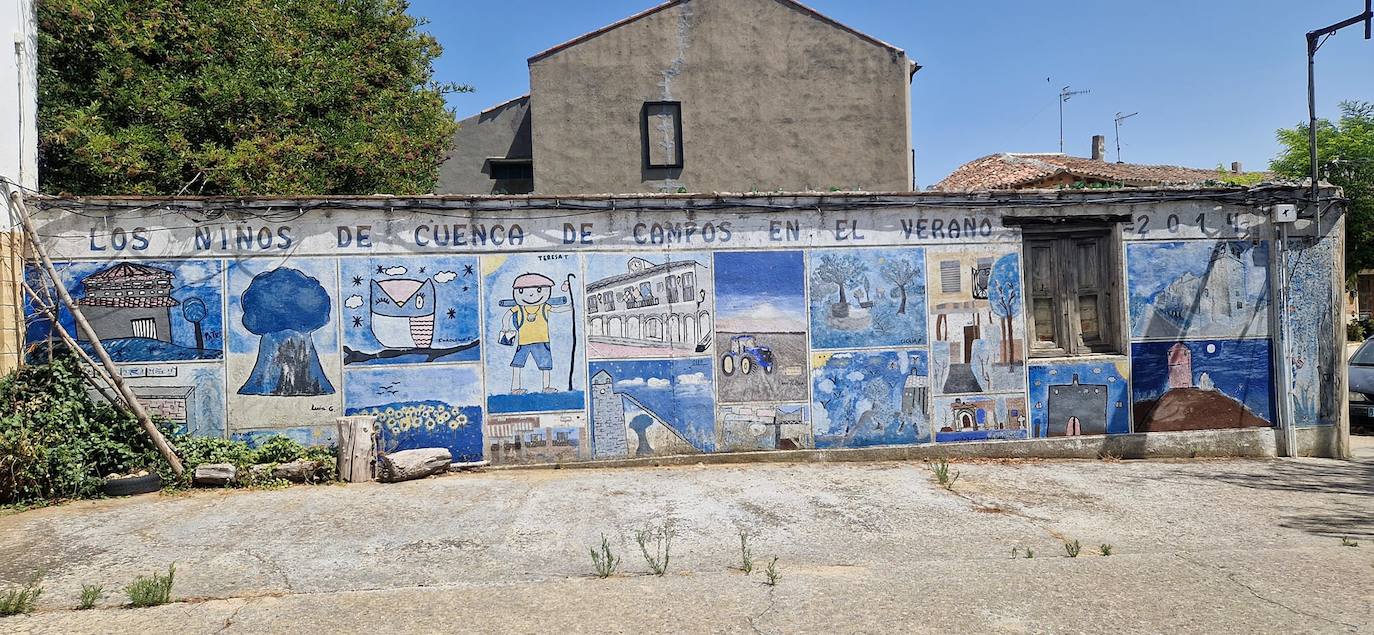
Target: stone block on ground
412	464
215	474
297	471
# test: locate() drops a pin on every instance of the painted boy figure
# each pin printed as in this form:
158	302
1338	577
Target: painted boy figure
527	326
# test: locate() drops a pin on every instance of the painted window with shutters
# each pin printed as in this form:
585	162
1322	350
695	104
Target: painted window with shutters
1072	277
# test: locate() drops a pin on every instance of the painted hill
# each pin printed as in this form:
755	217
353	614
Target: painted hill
1194	409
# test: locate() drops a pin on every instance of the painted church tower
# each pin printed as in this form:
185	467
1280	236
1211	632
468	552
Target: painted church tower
1180	366
608	418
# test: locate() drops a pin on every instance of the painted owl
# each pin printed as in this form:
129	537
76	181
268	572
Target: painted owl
403	313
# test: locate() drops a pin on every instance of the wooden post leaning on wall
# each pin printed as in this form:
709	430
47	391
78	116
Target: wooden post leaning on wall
164	448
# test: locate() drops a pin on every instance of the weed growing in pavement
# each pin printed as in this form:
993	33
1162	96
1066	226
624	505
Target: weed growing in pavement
1029	553
154	590
940	468
1105	549
1072	548
663	542
20	600
772	572
1347	542
603	560
746	558
90	594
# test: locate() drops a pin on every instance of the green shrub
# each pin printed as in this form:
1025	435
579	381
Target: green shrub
90	594
154	590
20	600
55	442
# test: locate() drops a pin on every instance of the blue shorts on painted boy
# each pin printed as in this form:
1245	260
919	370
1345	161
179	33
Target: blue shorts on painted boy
543	357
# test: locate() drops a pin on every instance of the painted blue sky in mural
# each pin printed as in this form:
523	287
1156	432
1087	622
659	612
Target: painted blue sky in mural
867	297
195	308
419	407
425	308
1238	368
871	398
1198	289
678	391
760	291
559	314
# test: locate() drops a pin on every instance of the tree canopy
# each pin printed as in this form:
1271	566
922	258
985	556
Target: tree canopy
1345	157
237	98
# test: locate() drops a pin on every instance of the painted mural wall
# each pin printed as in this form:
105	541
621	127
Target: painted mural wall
618	335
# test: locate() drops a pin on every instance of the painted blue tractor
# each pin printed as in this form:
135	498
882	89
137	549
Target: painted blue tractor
746	354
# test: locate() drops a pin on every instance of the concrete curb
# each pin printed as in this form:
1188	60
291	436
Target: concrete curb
1243	443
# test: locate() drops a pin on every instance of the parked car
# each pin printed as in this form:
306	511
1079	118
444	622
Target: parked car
1362	383
744	354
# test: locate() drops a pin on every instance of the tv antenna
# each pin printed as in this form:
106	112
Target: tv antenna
1120	118
1064	95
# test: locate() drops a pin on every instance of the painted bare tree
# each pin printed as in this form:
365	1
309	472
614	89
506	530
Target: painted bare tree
901	273
841	271
1004	294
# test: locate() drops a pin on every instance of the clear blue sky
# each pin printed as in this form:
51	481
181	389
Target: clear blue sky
1212	80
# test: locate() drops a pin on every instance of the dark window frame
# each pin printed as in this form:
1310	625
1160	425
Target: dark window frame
676	107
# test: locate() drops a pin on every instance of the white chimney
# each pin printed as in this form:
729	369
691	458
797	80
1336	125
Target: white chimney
1099	147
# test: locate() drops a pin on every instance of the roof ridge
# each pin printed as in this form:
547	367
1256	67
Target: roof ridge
672	3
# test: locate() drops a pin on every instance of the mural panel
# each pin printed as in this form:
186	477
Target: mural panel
977	332
746	427
867	297
1198	289
1072	398
1201	384
870	398
980	418
1312	359
409	310
421	407
146	311
535	348
647	407
761	326
284	365
189	395
649	305
538	438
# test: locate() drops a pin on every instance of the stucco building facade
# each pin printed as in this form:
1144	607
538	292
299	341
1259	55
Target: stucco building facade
700	96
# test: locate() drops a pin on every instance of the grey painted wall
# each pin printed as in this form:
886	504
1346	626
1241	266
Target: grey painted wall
772	98
502	131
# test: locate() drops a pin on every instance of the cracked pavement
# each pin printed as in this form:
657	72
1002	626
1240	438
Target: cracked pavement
1204	546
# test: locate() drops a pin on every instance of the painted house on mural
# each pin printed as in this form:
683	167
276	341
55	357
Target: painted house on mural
700	96
1050	170
683	324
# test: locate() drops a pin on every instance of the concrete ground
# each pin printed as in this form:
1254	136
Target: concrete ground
1204	546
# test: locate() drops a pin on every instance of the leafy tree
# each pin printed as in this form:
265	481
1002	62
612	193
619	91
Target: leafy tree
245	97
1345	157
1004	295
901	273
839	271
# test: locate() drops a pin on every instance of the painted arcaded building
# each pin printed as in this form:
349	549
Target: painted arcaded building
700	96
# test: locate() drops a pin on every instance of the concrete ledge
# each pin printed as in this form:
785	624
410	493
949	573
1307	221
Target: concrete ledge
1242	443
1323	441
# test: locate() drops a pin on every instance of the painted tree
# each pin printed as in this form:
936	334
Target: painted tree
901	273
1004	295
285	97
283	307
839	270
193	309
641	424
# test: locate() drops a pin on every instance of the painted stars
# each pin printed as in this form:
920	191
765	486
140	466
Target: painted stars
357	281
467	271
452	313
357	322
381	269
